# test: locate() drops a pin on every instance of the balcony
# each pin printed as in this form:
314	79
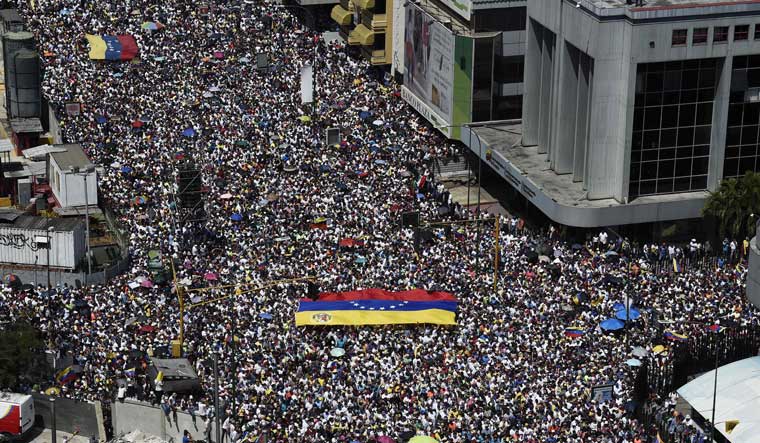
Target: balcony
375	56
365	4
340	15
375	22
363	35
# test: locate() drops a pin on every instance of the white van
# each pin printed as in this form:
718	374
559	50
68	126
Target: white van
16	413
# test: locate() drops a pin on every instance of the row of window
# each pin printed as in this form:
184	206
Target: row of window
699	36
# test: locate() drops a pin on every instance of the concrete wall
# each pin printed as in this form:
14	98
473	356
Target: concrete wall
130	415
70	416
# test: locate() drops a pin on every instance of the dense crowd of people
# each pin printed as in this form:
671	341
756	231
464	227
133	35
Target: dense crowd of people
279	201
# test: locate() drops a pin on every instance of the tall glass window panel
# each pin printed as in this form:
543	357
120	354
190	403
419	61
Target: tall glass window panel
672	125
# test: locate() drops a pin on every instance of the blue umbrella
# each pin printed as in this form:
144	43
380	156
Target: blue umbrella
265	316
612	324
420	196
364	115
381	162
633	313
236	217
126	169
189	132
101	119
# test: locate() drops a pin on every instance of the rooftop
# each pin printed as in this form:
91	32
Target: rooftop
72	156
668	3
665	9
42	223
738	398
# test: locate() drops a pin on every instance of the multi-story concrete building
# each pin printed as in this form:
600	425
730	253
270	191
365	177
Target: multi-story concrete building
461	61
632	113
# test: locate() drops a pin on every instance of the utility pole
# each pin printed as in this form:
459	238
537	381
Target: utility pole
53	430
495	251
217	426
715	391
49	230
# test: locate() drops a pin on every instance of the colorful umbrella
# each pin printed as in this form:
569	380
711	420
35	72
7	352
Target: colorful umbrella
423	439
210	276
632	314
140	200
137	124
384	439
146	283
126	169
189	132
612	324
338	352
236	217
304	118
226	196
265	316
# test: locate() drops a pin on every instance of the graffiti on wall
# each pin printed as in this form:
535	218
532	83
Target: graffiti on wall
18	241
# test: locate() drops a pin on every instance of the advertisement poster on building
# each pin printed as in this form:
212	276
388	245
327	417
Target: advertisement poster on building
461	7
428	56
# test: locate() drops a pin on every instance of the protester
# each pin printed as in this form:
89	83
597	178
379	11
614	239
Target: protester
278	202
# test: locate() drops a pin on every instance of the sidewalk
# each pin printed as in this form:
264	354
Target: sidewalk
40	435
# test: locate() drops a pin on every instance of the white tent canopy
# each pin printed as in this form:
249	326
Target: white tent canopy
738	398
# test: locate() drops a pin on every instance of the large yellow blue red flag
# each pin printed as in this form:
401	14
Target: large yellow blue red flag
378	307
112	47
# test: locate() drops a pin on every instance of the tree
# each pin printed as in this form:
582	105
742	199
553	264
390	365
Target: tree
21	355
733	204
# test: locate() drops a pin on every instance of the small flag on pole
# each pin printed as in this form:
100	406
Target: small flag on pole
731	425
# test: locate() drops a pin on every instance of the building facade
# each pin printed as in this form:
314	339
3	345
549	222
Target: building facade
461	62
633	113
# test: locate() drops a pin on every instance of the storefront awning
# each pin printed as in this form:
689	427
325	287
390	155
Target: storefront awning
365	4
340	15
364	35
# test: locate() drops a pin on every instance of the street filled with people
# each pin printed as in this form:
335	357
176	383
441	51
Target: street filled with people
280	203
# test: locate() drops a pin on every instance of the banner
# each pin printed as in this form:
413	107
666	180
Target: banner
307	84
378	307
112	47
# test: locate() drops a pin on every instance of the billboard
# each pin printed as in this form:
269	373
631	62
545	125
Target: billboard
463	7
438	70
428	57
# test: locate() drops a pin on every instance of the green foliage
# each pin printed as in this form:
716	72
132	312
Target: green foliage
21	354
733	204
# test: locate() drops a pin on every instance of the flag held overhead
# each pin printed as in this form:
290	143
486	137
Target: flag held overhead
112	47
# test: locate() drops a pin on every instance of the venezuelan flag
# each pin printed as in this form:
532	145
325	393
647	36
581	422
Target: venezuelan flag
112	47
670	335
378	307
715	328
65	375
574	332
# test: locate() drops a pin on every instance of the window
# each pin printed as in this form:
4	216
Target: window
699	37
742	143
757	32
503	19
509	69
670	141
741	32
679	37
720	34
